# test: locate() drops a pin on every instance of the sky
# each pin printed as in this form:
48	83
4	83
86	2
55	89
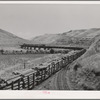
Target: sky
30	20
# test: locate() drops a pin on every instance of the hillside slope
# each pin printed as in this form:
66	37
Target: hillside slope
85	72
8	39
72	37
46	39
84	33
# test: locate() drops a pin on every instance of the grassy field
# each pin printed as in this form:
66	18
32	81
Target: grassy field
10	63
9	60
16	63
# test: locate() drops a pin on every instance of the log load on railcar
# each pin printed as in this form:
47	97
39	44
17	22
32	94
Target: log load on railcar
28	79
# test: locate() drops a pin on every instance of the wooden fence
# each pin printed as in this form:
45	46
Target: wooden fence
28	80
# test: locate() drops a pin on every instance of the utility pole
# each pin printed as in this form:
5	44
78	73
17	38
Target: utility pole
24	64
25	61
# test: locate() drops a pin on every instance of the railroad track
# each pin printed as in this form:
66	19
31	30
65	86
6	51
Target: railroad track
62	81
33	77
56	82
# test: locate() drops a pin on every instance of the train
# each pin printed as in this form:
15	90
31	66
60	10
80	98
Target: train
28	79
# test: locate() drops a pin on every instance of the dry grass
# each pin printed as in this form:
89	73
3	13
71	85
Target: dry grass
84	79
87	75
10	63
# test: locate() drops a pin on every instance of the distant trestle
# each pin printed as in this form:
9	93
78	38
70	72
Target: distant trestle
39	49
39	46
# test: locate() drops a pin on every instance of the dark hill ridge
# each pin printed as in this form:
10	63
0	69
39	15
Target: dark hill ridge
9	39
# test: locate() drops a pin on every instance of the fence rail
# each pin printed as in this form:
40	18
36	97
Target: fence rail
28	81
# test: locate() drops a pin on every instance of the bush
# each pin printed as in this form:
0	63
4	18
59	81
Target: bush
2	51
52	51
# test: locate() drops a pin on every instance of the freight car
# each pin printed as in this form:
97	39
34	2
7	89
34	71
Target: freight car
28	79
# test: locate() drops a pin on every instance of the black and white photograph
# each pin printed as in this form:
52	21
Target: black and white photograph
50	47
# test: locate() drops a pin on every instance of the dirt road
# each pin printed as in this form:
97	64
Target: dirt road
56	82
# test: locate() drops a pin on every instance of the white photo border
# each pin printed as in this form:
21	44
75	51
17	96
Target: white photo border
34	94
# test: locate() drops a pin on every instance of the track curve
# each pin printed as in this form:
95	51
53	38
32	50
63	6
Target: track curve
56	82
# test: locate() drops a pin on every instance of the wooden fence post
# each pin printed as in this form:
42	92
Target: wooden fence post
12	85
19	84
23	84
65	62
57	67
49	71
52	68
62	63
44	74
42	78
33	80
28	82
35	83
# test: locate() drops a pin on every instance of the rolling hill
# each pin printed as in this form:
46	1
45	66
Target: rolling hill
82	37
7	39
72	37
87	74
